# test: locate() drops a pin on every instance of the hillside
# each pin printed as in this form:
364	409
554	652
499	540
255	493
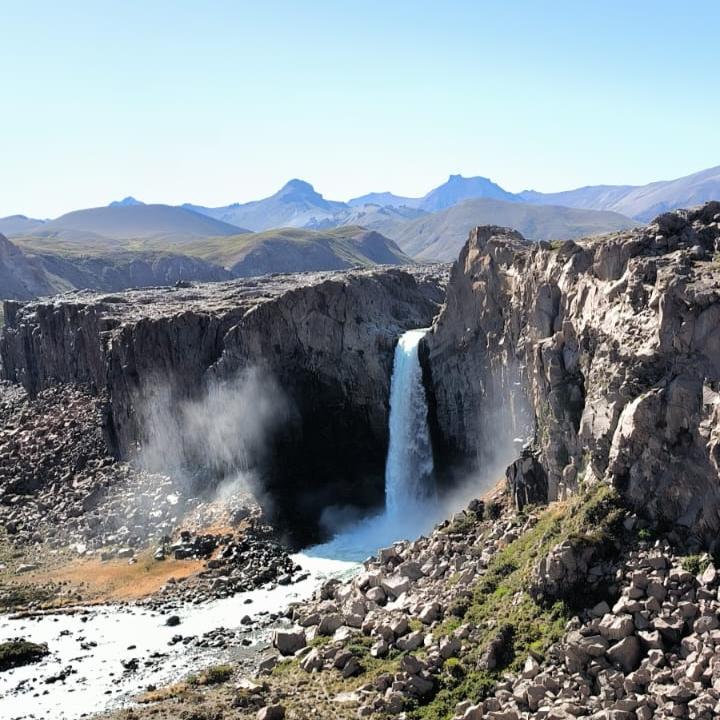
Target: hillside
641	202
26	274
440	236
297	250
120	222
19	224
37	266
20	278
296	204
122	270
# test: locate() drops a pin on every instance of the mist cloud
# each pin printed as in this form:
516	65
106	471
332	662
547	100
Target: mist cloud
223	432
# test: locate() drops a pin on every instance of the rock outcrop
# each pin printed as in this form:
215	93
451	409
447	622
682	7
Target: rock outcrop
19	276
604	352
326	340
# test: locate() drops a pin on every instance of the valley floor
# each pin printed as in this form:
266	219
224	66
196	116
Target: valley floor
573	610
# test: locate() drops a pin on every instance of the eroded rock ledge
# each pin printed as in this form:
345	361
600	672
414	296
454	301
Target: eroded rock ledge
604	352
326	339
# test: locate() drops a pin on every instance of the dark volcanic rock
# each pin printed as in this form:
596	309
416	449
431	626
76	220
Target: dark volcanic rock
326	339
605	352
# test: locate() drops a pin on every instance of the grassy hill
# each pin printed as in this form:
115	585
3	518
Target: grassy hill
47	264
439	236
297	249
119	222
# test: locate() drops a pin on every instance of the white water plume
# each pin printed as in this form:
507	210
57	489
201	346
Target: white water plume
223	431
410	497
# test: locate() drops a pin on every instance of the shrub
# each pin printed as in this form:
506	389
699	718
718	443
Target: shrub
494	510
696	564
212	676
20	652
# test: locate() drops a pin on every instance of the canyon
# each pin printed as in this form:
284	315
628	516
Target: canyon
605	352
561	406
326	339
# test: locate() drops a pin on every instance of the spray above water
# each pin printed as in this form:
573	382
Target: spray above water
410	492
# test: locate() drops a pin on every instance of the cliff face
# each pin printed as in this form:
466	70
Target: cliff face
19	276
327	340
604	352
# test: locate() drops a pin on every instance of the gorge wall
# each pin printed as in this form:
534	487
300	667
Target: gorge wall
326	340
604	353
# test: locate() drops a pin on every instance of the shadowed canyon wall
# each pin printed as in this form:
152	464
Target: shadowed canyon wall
326	340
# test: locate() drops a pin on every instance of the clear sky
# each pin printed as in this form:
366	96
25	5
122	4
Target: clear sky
221	101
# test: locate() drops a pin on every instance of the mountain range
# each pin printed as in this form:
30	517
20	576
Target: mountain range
639	202
642	202
129	242
441	235
296	204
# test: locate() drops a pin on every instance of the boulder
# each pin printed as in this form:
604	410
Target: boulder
626	654
288	642
271	712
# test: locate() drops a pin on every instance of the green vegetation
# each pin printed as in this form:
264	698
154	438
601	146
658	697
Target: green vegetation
696	564
510	622
502	607
213	675
461	523
244	253
20	652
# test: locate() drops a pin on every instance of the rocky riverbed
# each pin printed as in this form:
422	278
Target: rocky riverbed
105	656
578	610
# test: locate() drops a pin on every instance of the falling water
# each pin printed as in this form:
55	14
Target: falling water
409	467
410	491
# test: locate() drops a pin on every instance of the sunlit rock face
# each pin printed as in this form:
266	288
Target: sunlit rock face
605	353
323	341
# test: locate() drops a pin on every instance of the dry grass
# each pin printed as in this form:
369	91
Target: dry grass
118	580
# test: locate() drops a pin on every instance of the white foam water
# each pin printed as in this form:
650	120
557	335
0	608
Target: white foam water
99	682
410	493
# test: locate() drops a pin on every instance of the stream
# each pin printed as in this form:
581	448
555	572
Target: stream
98	681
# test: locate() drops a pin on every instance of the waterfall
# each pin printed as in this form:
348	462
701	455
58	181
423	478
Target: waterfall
410	491
409	466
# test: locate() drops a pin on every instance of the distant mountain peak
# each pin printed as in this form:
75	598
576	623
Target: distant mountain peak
298	188
125	202
459	188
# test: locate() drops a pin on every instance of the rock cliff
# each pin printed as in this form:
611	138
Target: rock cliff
326	340
19	276
604	353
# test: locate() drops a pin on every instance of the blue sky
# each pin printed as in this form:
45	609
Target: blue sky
216	102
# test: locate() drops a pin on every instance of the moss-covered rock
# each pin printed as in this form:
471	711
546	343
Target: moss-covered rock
20	652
